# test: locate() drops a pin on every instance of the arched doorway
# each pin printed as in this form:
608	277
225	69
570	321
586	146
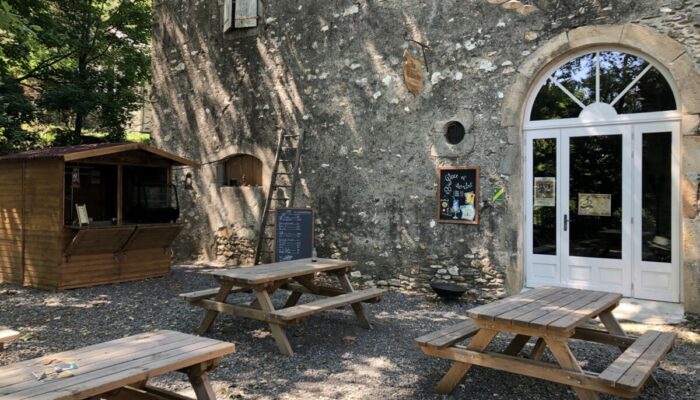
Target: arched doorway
602	150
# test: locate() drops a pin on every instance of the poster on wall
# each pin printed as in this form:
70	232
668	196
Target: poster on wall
594	205
458	195
545	192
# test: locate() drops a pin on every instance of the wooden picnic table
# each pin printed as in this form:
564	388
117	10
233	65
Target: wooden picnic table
119	369
554	316
298	277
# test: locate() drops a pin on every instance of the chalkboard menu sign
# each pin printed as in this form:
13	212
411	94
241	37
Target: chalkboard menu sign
458	195
294	233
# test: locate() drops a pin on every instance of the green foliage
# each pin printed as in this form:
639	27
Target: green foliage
74	60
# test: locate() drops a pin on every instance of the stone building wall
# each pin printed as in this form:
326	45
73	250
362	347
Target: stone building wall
333	69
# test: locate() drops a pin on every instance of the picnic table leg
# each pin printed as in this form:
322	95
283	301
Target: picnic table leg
358	308
277	330
517	344
211	315
199	379
292	300
537	351
458	369
567	361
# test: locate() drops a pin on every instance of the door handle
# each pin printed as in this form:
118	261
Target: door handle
566	222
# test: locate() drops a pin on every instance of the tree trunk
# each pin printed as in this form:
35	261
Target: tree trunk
78	129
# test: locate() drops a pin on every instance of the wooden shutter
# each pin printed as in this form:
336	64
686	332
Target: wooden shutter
228	15
246	15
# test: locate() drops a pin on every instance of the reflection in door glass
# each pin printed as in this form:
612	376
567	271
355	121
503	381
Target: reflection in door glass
656	197
595	196
544	211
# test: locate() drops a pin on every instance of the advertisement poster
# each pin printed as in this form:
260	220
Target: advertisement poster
594	205
458	195
545	192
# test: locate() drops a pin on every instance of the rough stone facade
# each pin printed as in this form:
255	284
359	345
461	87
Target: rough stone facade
333	69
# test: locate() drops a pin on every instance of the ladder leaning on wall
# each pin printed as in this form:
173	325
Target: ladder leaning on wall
280	193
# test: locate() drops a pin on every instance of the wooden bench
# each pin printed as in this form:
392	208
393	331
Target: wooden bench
327	303
205	294
631	370
120	369
7	336
449	336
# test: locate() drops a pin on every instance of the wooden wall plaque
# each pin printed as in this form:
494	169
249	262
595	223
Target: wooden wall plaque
413	74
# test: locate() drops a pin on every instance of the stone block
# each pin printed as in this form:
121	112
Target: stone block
688	81
691	155
689	197
547	53
691	241
594	35
514	101
650	41
690	124
691	287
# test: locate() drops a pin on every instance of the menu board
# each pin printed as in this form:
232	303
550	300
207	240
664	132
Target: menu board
458	195
294	233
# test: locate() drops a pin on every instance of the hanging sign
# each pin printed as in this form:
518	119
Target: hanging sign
545	192
413	73
458	194
294	233
75	178
595	205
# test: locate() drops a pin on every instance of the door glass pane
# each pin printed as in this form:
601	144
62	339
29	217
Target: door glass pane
544	210
595	196
656	197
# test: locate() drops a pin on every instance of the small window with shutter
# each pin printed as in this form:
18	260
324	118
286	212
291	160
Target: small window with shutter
240	14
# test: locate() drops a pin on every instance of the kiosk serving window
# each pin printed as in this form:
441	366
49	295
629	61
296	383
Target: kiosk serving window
95	186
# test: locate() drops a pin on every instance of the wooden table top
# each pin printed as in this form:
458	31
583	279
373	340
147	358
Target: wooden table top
110	365
552	309
267	273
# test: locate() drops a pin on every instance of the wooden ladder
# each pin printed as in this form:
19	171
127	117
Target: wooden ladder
280	193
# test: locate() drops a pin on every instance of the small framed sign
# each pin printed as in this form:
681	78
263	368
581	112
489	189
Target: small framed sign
458	195
81	210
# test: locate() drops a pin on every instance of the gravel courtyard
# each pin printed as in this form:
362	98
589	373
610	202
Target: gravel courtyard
335	358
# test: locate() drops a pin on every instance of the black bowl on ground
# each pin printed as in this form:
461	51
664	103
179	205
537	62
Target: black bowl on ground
448	290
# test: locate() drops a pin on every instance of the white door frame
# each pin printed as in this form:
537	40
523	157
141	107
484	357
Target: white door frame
660	271
601	272
542	269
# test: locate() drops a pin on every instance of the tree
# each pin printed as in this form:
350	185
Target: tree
15	107
90	59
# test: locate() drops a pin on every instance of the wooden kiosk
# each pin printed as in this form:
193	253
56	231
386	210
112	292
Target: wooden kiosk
132	212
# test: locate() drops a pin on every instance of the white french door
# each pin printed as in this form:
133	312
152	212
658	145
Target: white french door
602	209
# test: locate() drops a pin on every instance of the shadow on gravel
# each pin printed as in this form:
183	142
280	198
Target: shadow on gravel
335	358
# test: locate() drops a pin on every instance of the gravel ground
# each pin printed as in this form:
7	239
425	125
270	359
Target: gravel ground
382	363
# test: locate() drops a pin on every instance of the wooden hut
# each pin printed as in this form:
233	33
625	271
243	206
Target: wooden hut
131	222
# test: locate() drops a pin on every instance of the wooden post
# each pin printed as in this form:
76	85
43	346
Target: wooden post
358	308
211	315
452	378
277	330
518	342
566	359
120	194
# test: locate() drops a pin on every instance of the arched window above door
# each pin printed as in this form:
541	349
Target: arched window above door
605	83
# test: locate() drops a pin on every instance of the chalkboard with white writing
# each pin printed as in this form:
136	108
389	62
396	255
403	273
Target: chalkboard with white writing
294	233
458	195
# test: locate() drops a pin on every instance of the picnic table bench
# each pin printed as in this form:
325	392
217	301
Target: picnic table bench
298	277
553	315
120	369
7	336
